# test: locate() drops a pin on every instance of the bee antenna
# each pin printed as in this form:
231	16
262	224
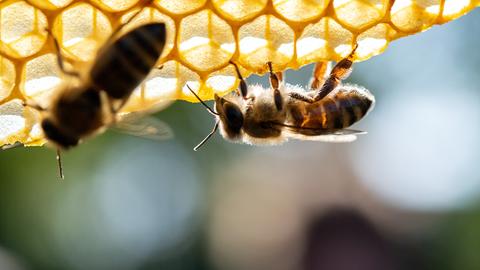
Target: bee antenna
59	162
207	138
210	110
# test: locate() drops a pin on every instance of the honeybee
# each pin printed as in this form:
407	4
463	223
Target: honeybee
88	108
255	115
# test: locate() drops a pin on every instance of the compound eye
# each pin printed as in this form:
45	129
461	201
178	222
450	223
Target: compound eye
234	116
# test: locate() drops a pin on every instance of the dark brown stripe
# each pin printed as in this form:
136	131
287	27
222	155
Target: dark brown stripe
358	113
331	112
347	111
296	115
356	105
158	35
117	81
364	104
120	68
337	116
145	37
132	54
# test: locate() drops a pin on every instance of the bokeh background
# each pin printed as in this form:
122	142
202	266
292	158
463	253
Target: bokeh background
404	196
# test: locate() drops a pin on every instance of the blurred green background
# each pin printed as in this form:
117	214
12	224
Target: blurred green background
404	196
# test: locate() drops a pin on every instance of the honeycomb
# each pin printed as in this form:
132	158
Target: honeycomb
203	36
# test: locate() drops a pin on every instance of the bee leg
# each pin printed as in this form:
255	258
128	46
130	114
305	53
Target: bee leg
59	163
319	74
33	106
301	97
111	106
243	84
115	108
143	4
113	113
339	72
120	105
60	59
275	80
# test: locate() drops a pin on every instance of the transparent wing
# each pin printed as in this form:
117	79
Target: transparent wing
330	136
346	138
139	125
10	146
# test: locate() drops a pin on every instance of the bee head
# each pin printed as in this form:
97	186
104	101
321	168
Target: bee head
230	116
55	135
227	113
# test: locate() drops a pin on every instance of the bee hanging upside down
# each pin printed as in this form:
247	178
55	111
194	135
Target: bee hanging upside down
256	115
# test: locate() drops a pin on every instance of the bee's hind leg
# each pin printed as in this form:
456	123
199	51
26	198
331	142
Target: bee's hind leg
319	75
275	80
339	72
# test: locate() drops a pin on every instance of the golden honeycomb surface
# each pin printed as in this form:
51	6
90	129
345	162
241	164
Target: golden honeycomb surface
203	36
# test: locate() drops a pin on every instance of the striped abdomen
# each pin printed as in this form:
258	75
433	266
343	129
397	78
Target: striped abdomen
123	65
341	109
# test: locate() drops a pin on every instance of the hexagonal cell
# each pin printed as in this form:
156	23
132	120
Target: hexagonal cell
156	92
7	77
115	5
41	76
360	14
453	9
34	133
374	41
223	81
81	29
300	10
150	14
21	29
50	4
180	6
266	39
239	10
205	41
414	15
165	84
323	41
12	122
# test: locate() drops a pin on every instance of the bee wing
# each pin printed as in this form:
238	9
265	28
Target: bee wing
312	134
331	138
339	136
10	146
139	125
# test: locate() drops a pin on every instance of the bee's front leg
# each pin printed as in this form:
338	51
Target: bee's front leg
275	80
243	84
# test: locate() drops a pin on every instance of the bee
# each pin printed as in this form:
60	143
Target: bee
255	115
88	108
